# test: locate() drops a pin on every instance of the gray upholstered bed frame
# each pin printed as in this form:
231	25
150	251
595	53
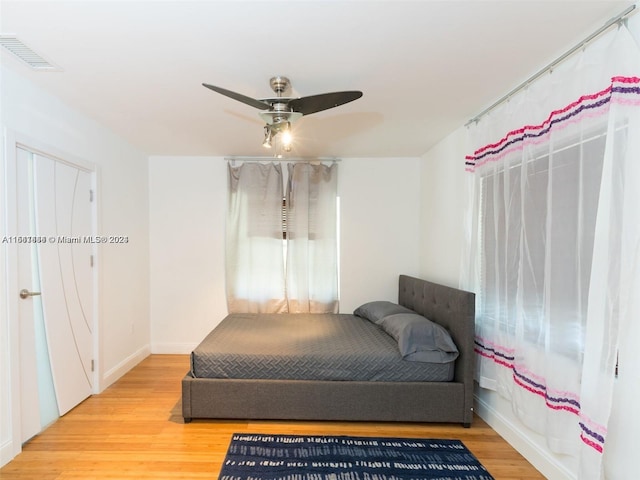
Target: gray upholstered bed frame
356	401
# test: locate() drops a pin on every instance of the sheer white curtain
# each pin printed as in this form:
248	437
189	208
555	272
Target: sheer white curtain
553	244
312	240
254	244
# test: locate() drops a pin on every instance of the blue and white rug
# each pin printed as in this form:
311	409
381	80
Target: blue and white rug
309	457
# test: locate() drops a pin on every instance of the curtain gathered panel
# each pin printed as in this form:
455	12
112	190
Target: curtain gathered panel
255	276
553	232
312	248
282	256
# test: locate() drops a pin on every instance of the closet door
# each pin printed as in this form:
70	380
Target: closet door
56	281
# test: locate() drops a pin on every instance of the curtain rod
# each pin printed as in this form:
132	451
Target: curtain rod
582	44
282	159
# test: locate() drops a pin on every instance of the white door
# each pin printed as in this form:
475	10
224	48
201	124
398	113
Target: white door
54	217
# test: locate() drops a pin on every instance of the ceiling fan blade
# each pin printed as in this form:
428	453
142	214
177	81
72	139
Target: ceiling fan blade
239	97
324	101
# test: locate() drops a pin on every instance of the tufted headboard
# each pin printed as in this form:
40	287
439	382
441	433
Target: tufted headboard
452	308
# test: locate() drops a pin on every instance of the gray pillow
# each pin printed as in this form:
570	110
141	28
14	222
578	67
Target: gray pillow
419	339
376	311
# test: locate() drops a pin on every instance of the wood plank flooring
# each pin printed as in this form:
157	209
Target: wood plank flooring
134	430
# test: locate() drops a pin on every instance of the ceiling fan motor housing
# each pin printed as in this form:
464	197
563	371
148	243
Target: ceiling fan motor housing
280	84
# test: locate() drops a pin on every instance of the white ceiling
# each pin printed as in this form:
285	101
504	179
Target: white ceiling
425	67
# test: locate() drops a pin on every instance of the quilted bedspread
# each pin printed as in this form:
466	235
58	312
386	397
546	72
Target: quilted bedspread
307	347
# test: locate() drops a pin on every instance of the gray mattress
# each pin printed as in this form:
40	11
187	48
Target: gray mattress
307	347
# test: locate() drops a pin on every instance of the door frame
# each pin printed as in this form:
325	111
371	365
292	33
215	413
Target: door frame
13	141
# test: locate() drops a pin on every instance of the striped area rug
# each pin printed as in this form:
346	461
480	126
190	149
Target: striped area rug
308	457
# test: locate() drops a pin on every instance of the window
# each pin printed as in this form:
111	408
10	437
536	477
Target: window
537	234
282	249
553	246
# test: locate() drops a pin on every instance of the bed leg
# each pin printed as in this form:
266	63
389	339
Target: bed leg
187	419
467	425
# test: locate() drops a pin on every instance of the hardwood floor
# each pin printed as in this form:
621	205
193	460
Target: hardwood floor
134	429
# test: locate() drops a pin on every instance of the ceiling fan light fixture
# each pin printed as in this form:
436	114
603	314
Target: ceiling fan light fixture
281	132
268	136
286	138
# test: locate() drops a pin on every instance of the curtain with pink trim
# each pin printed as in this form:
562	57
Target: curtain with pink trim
553	230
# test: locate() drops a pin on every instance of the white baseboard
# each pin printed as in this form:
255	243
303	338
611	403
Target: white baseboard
542	460
112	375
7	453
173	348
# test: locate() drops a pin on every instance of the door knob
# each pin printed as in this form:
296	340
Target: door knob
24	293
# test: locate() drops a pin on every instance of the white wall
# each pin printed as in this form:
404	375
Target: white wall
122	210
379	201
379	230
6	439
443	200
187	206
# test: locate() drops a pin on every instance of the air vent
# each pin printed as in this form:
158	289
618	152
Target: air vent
14	45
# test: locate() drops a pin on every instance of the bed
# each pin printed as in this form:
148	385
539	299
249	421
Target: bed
342	386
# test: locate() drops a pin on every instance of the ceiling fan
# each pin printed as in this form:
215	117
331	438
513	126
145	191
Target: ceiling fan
280	111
